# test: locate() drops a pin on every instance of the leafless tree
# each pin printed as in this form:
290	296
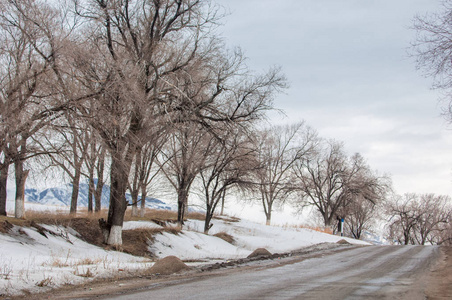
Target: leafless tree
418	218
229	163
95	166
433	49
29	36
279	148
139	52
360	215
4	170
66	146
182	159
443	234
403	218
362	209
433	211
329	181
145	171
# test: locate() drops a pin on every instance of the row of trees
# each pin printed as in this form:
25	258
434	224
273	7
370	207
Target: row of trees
86	82
420	219
130	93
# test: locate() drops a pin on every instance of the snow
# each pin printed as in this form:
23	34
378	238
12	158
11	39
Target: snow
131	225
30	261
34	262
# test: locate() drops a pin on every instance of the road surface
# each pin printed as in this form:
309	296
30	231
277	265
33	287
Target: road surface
383	272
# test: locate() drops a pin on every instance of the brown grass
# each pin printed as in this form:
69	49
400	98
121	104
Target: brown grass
225	236
163	215
316	228
227	218
5	225
136	241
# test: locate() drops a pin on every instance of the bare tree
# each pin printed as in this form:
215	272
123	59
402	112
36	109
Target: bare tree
361	210
4	170
361	215
419	218
433	49
29	34
329	181
145	170
403	218
94	164
229	163
135	50
279	148
130	66
182	160
67	149
444	234
433	212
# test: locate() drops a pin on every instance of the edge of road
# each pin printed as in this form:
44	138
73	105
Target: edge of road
115	286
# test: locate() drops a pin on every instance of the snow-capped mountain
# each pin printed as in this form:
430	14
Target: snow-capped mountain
61	195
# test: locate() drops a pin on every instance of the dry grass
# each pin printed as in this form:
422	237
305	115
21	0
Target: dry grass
225	236
229	219
136	241
315	228
320	229
163	215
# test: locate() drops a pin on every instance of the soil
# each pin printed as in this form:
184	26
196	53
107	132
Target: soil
167	266
439	280
260	252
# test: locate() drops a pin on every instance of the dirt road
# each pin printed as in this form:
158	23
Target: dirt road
338	272
387	272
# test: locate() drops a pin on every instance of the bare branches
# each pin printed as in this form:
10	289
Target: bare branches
419	219
336	185
433	49
278	149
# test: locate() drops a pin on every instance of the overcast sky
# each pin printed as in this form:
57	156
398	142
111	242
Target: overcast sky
352	80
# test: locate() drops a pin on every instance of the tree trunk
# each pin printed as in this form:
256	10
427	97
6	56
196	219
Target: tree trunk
135	203
98	196
21	178
90	192
135	187
222	203
119	173
143	201
268	214
75	191
326	220
182	201
3	192
117	206
269	218
210	209
100	182
207	224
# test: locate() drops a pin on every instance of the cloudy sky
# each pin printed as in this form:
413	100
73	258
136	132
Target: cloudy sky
352	80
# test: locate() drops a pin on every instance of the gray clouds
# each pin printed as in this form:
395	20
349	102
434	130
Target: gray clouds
352	79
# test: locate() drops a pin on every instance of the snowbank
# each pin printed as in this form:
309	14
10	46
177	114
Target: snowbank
248	236
35	262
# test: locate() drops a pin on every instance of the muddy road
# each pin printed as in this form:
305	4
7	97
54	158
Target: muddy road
331	272
385	272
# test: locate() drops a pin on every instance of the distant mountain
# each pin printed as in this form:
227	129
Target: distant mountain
62	196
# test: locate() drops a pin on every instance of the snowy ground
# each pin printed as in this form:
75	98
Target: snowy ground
30	261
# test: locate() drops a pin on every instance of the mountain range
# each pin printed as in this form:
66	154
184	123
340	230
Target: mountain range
61	196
